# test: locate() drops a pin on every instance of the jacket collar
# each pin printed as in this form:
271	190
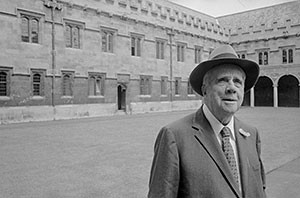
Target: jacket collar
204	134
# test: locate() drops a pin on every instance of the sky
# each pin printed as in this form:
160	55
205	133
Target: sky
224	7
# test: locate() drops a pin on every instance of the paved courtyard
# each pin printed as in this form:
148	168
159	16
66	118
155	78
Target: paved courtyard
110	157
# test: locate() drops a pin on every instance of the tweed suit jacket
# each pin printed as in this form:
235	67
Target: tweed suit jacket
188	162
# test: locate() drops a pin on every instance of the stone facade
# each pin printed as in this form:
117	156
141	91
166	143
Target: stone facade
272	30
97	70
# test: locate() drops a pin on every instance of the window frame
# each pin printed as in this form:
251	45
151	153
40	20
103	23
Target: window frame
263	57
145	85
136	45
96	76
73	39
180	49
198	54
177	86
7	83
31	16
64	92
41	73
109	36
163	85
160	49
287	55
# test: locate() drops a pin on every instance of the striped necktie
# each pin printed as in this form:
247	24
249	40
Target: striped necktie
229	154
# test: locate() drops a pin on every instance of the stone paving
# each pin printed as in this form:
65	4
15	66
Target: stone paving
111	156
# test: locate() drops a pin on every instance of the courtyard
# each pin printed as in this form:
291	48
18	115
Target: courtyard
111	156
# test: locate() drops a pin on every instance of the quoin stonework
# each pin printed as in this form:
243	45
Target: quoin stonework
76	58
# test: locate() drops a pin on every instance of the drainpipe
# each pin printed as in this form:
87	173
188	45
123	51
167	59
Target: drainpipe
53	5
170	32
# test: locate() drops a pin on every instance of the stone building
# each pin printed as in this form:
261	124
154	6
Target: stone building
69	59
270	36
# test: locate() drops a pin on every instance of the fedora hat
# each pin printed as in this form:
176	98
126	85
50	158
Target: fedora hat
220	56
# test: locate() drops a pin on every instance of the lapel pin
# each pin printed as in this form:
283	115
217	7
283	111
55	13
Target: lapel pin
244	133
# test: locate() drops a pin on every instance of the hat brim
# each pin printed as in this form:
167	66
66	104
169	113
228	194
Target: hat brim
250	68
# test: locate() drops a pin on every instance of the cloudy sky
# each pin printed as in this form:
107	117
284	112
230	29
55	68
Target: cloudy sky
224	7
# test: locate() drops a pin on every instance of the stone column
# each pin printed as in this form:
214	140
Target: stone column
275	95
252	97
299	96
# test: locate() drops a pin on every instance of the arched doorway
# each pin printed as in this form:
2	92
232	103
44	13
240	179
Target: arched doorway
122	97
246	101
263	92
288	91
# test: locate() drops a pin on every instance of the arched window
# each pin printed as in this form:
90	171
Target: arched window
34	31
291	56
3	84
66	85
68	36
260	58
284	56
25	29
266	61
72	36
75	37
29	29
98	86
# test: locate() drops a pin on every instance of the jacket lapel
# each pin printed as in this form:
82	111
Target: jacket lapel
206	137
242	146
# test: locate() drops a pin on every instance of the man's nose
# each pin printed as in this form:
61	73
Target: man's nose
230	88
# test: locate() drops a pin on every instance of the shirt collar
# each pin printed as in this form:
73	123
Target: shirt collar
216	125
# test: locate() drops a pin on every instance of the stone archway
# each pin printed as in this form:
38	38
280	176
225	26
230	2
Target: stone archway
263	92
288	91
246	101
121	97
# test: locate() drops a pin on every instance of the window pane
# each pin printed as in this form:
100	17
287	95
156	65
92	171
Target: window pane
25	29
176	87
182	53
110	42
284	57
138	47
290	55
91	86
98	87
162	50
157	50
132	46
68	36
178	53
34	31
163	86
36	84
66	89
265	58
3	84
142	86
260	58
75	37
104	42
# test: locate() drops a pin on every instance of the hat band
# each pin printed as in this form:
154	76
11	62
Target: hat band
225	55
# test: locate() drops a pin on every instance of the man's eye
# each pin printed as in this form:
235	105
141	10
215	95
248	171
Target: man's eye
238	82
222	80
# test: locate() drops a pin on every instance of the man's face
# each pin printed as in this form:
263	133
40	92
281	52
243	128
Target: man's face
223	91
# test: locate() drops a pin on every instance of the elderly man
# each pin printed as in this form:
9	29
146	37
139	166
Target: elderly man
210	153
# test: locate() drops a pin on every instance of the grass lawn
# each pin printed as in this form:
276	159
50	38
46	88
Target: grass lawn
111	156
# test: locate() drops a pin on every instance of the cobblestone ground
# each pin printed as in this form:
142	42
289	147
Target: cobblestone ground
110	157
